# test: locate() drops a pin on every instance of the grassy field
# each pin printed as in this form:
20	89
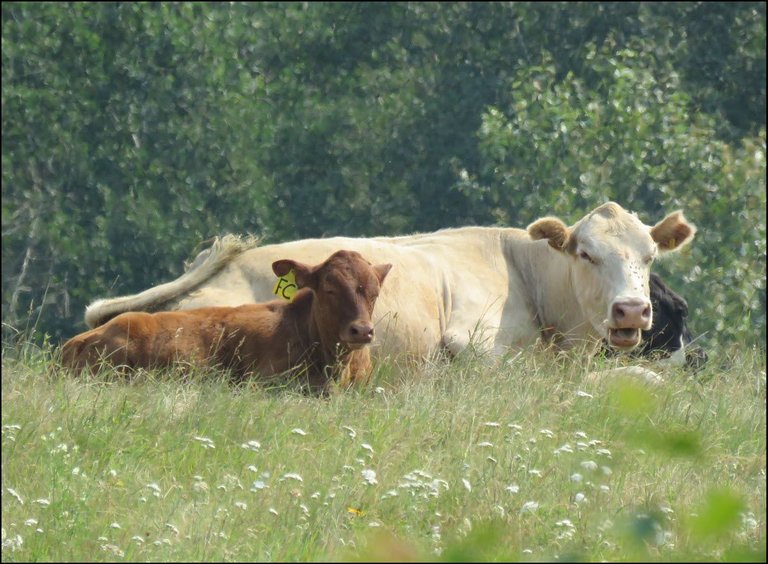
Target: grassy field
524	459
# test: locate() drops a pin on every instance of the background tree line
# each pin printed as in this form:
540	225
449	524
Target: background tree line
133	132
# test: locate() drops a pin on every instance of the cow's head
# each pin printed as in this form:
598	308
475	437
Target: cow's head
346	287
670	336
611	252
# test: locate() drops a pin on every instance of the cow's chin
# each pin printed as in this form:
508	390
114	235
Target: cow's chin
352	346
624	339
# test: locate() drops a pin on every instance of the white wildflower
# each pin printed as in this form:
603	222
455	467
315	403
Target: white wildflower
350	431
43	502
514	426
15	494
115	526
374	524
491	424
379	390
292	476
748	521
491	459
529	507
606	470
273	511
513	488
580	435
589	465
576	477
205	442
535	472
114	549
604	488
13	543
547	433
466	484
173	528
298	431
155	489
604	452
138	539
241	505
485	444
367	447
579	498
30	522
369	476
251	445
583	394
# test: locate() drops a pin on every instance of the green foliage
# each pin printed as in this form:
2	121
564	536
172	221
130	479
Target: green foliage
132	133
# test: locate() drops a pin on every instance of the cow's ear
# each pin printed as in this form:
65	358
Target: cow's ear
381	271
672	232
302	272
553	230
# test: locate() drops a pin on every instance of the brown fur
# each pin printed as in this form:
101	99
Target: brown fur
325	329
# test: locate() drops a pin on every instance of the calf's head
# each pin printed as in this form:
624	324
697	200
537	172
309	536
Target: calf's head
345	289
611	252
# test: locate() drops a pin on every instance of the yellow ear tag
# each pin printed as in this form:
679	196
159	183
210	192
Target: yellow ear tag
285	287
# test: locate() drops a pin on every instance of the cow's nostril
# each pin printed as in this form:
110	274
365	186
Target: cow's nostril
647	312
361	331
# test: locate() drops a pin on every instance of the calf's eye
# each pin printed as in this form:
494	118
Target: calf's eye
584	255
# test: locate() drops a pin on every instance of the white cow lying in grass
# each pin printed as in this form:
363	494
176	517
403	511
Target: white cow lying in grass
492	286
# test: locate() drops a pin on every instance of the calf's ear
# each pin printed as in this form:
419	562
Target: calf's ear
381	271
301	271
553	230
673	232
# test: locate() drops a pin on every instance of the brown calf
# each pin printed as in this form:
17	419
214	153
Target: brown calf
325	328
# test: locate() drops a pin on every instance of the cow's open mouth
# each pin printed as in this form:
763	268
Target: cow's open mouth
624	338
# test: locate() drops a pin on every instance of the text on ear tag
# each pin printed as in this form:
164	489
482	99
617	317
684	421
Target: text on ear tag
285	287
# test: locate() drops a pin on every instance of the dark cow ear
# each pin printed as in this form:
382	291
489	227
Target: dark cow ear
282	267
381	271
302	272
553	230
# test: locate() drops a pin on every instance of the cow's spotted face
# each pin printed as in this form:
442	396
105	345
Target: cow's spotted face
611	253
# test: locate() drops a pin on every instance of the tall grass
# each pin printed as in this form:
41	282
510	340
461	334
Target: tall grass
521	459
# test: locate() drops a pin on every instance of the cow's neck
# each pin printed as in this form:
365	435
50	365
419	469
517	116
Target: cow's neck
329	359
552	297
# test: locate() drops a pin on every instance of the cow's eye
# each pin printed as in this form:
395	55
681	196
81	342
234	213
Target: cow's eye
648	259
584	255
